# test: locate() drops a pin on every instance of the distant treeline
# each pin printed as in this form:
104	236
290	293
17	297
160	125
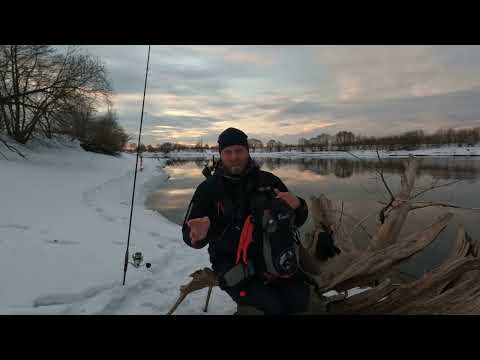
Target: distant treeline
409	140
343	140
45	91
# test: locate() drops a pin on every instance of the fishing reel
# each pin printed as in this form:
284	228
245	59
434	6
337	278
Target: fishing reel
137	261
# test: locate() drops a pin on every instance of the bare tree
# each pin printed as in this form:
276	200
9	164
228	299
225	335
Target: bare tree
271	144
344	138
254	144
39	82
408	140
73	119
105	135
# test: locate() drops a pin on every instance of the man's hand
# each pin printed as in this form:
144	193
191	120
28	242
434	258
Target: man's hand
198	228
289	198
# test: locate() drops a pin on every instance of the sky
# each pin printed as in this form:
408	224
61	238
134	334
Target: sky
289	92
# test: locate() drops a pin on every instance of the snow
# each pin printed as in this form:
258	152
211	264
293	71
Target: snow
63	233
350	292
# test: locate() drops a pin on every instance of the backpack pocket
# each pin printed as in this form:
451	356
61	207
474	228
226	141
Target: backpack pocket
279	244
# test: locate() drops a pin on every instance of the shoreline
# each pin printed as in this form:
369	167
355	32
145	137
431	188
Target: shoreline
366	154
82	235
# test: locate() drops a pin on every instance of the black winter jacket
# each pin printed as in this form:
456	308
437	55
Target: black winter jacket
225	224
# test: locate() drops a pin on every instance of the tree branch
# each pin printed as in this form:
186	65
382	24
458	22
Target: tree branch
13	149
339	222
435	187
368	191
357	220
383	178
362	160
421	205
201	279
380	173
360	224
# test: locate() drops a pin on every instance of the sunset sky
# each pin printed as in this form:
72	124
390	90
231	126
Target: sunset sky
289	92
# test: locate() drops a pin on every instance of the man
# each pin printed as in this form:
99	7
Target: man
218	214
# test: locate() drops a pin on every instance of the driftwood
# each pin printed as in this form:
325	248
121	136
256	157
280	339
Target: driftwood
201	279
451	288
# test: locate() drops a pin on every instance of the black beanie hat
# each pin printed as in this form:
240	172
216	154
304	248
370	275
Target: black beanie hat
232	136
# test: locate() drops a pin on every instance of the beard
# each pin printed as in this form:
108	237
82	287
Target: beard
235	170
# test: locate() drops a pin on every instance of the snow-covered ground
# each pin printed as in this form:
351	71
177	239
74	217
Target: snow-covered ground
63	233
64	225
441	151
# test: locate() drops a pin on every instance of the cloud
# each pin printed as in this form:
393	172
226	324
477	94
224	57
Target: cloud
185	129
300	110
181	121
288	92
380	72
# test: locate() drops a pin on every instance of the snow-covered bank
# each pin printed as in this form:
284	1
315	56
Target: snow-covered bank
367	154
63	233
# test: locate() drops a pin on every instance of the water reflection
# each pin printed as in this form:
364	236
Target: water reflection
442	168
354	183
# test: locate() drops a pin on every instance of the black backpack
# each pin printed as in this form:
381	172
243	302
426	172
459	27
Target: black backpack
274	234
274	224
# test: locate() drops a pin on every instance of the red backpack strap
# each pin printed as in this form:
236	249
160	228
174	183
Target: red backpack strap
245	240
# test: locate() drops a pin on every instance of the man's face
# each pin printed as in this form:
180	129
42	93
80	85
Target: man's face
234	159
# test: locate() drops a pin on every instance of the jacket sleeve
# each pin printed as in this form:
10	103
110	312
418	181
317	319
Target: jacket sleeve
301	213
201	205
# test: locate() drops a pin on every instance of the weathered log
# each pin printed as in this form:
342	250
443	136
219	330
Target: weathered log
452	288
358	303
322	212
385	251
353	268
461	299
463	247
201	279
389	231
372	265
408	297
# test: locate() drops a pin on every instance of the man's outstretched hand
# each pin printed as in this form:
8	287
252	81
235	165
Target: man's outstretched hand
289	198
198	228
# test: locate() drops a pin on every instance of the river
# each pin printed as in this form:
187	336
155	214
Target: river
357	185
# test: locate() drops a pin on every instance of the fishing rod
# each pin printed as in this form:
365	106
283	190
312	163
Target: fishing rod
137	257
